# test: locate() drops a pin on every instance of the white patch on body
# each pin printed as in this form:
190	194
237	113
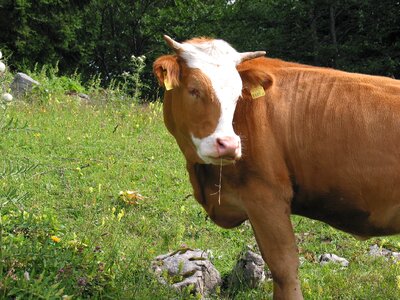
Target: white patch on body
217	60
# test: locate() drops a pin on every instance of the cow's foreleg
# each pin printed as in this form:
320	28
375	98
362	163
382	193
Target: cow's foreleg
275	237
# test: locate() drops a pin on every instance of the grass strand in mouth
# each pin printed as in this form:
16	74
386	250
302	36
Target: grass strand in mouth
220	182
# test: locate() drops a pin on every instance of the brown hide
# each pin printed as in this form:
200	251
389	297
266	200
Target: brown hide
330	137
340	136
321	143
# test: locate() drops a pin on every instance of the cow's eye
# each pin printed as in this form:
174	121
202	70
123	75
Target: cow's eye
194	92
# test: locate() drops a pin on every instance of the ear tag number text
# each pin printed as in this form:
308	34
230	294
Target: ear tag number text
257	92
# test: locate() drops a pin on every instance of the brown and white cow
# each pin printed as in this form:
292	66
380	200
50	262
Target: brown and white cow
316	142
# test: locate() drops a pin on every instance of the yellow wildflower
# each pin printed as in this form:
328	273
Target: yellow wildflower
55	239
120	215
130	197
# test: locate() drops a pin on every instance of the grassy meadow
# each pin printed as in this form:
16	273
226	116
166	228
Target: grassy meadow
67	233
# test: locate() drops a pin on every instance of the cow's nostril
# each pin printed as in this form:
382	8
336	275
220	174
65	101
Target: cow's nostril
227	147
221	143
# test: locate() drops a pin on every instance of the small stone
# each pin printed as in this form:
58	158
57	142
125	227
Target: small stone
7	97
22	84
83	96
396	256
377	251
2	67
187	268
328	257
249	271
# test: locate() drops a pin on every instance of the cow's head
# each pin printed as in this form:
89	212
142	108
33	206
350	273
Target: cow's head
203	87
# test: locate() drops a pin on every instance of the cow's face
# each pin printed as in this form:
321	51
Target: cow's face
199	108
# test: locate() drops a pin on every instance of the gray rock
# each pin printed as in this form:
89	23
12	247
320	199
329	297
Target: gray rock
187	268
81	96
22	84
84	96
249	271
377	251
396	256
328	257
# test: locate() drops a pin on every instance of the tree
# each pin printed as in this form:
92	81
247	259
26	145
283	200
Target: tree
42	32
98	37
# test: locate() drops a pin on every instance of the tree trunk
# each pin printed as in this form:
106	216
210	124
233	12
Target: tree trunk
332	25
314	35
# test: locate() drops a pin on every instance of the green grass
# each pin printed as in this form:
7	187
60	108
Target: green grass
83	156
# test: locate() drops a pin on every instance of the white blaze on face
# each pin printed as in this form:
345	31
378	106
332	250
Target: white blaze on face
217	60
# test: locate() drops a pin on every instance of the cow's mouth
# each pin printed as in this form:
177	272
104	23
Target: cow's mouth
224	160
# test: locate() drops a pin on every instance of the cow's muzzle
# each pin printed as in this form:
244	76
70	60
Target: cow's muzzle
228	149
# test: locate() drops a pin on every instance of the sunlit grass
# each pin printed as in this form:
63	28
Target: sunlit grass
76	234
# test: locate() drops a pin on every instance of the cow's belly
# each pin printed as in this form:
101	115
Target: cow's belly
346	215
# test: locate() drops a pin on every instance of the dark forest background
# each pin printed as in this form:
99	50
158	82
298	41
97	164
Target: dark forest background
98	37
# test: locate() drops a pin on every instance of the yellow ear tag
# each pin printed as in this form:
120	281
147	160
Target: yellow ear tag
257	92
167	83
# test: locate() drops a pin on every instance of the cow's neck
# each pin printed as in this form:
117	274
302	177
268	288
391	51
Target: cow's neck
223	203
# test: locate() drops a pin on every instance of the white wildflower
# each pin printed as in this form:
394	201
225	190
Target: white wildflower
26	276
7	97
2	67
1	55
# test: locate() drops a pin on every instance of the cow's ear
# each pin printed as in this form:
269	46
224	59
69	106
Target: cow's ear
252	78
166	69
